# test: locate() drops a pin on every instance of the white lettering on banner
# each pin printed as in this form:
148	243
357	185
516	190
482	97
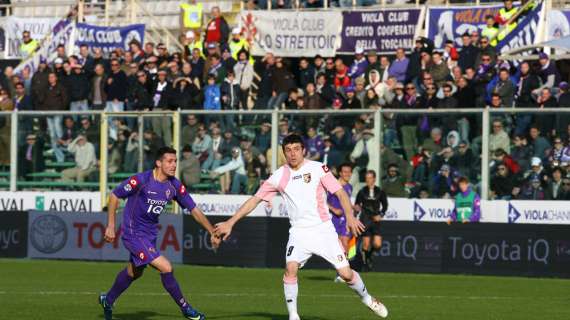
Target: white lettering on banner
539	212
84	237
523	38
198	241
538	250
15	26
406	246
290	34
52	201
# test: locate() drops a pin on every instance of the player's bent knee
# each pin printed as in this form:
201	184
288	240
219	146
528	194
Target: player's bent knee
346	274
287	279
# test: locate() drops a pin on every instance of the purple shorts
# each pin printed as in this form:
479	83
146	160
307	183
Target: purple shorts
340	225
143	251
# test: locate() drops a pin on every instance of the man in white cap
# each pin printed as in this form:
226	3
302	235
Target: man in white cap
237	43
193	43
358	67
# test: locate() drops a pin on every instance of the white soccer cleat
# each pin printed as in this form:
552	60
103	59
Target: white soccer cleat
294	317
378	308
338	279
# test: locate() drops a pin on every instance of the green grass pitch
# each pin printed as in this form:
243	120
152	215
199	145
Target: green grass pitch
39	289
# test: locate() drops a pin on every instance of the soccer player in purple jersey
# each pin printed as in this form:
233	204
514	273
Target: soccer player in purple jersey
147	194
337	213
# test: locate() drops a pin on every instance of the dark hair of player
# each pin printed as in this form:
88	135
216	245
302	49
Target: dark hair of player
462	180
293	138
372	172
162	151
346	164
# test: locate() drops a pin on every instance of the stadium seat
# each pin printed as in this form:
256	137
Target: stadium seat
173	7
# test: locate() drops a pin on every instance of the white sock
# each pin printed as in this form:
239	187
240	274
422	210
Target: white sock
358	286
291	289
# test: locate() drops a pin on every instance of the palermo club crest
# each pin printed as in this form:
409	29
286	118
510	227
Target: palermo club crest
307	177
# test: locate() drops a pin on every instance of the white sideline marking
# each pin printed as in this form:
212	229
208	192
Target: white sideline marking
152	294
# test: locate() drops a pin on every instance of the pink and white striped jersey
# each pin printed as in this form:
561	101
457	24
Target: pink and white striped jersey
303	191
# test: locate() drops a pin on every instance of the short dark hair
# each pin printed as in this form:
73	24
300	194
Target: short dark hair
164	150
292	138
372	172
463	180
345	164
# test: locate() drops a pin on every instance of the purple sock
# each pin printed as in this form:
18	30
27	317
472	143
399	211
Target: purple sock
122	282
171	285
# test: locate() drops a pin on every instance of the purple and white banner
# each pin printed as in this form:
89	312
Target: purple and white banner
380	30
449	23
525	33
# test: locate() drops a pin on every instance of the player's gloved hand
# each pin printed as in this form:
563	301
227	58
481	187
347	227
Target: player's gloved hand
355	226
110	234
223	229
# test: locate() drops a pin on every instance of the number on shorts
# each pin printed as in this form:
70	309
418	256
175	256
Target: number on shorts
290	250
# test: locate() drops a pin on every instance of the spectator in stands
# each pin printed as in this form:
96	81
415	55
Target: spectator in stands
40	84
22	100
536	170
235	166
554	190
468	53
341	78
393	183
152	142
142	92
244	73
564	97
131	157
399	66
490	31
189	167
533	190
521	152
540	144
198	64
190	129
505	88
499	139
439	70
503	184
484	74
365	154
183	94
85	160
306	73
79	89
326	90
98	95
548	73
464	93
565	193
359	64
230	94
528	82
54	99
283	81
485	49
314	145
6	104
28	45
161	95
217	29
31	156
202	144
443	184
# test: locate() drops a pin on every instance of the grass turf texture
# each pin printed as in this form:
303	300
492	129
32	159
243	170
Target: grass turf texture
40	289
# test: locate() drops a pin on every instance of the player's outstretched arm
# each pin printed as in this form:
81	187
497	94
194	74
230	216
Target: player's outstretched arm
201	218
354	225
225	228
111	213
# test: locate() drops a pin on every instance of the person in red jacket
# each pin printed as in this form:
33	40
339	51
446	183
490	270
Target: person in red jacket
217	30
501	156
341	78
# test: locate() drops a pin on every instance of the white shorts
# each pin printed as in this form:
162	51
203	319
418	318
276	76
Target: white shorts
321	240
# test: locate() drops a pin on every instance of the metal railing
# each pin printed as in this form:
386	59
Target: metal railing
18	118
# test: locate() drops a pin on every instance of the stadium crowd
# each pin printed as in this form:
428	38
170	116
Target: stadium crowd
422	155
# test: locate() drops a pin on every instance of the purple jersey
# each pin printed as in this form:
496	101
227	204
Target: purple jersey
339	222
146	198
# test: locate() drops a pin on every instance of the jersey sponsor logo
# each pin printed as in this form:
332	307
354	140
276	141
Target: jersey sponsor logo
307	177
325	168
167	193
151	192
297	177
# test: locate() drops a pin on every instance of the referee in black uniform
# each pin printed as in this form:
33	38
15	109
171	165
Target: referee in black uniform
372	204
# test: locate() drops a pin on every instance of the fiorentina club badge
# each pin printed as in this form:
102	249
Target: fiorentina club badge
168	193
307	177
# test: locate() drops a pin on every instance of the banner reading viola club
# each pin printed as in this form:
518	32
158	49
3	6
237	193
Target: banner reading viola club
108	38
292	33
380	30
